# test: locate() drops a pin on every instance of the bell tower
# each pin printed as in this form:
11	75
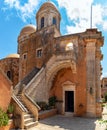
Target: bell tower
48	15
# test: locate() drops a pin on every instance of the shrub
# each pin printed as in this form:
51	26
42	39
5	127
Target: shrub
10	109
43	105
105	96
3	118
52	101
103	100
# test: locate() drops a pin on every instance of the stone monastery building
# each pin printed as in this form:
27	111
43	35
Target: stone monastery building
50	64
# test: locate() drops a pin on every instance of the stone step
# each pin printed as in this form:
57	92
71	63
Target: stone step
28	120
28	116
30	125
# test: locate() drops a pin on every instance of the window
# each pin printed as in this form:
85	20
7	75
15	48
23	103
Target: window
69	46
9	75
39	53
42	22
24	56
54	20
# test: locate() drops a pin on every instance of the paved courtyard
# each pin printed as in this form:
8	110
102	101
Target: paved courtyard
60	122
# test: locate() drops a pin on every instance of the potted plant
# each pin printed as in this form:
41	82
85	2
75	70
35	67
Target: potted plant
10	111
4	120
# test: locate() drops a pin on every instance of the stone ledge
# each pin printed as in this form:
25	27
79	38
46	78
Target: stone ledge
47	113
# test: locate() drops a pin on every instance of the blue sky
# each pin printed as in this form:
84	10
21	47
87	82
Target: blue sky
15	14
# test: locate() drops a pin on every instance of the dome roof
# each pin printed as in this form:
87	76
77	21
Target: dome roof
28	29
13	56
48	4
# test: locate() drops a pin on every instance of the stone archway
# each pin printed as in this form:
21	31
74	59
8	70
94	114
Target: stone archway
52	70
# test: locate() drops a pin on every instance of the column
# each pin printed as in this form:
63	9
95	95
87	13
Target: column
90	73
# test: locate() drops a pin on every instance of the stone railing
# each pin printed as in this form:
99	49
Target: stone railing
22	84
65	55
31	105
16	89
22	107
35	84
18	112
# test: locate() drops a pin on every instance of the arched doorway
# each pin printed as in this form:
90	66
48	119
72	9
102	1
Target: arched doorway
64	91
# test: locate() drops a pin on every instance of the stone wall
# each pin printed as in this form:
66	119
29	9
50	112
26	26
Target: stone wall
5	91
11	65
41	40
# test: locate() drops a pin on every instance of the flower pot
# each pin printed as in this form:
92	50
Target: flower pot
7	127
10	115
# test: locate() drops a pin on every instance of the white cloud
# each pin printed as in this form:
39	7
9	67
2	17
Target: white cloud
105	25
104	75
24	11
78	27
79	13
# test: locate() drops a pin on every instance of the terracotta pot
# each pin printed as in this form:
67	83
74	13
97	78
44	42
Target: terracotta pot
7	127
4	128
10	115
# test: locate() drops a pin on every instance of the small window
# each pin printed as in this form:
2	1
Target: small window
24	56
9	75
54	20
42	22
39	53
69	46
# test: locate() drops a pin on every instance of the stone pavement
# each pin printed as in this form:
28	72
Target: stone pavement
60	122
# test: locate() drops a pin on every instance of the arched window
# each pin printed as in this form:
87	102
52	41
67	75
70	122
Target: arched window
42	22
69	46
9	74
25	56
54	20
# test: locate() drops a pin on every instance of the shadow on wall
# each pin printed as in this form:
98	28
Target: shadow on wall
5	91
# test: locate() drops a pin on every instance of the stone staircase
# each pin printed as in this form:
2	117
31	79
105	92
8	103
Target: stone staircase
23	83
30	76
29	120
32	89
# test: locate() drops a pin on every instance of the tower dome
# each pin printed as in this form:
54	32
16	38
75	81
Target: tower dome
48	4
28	30
48	15
13	56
